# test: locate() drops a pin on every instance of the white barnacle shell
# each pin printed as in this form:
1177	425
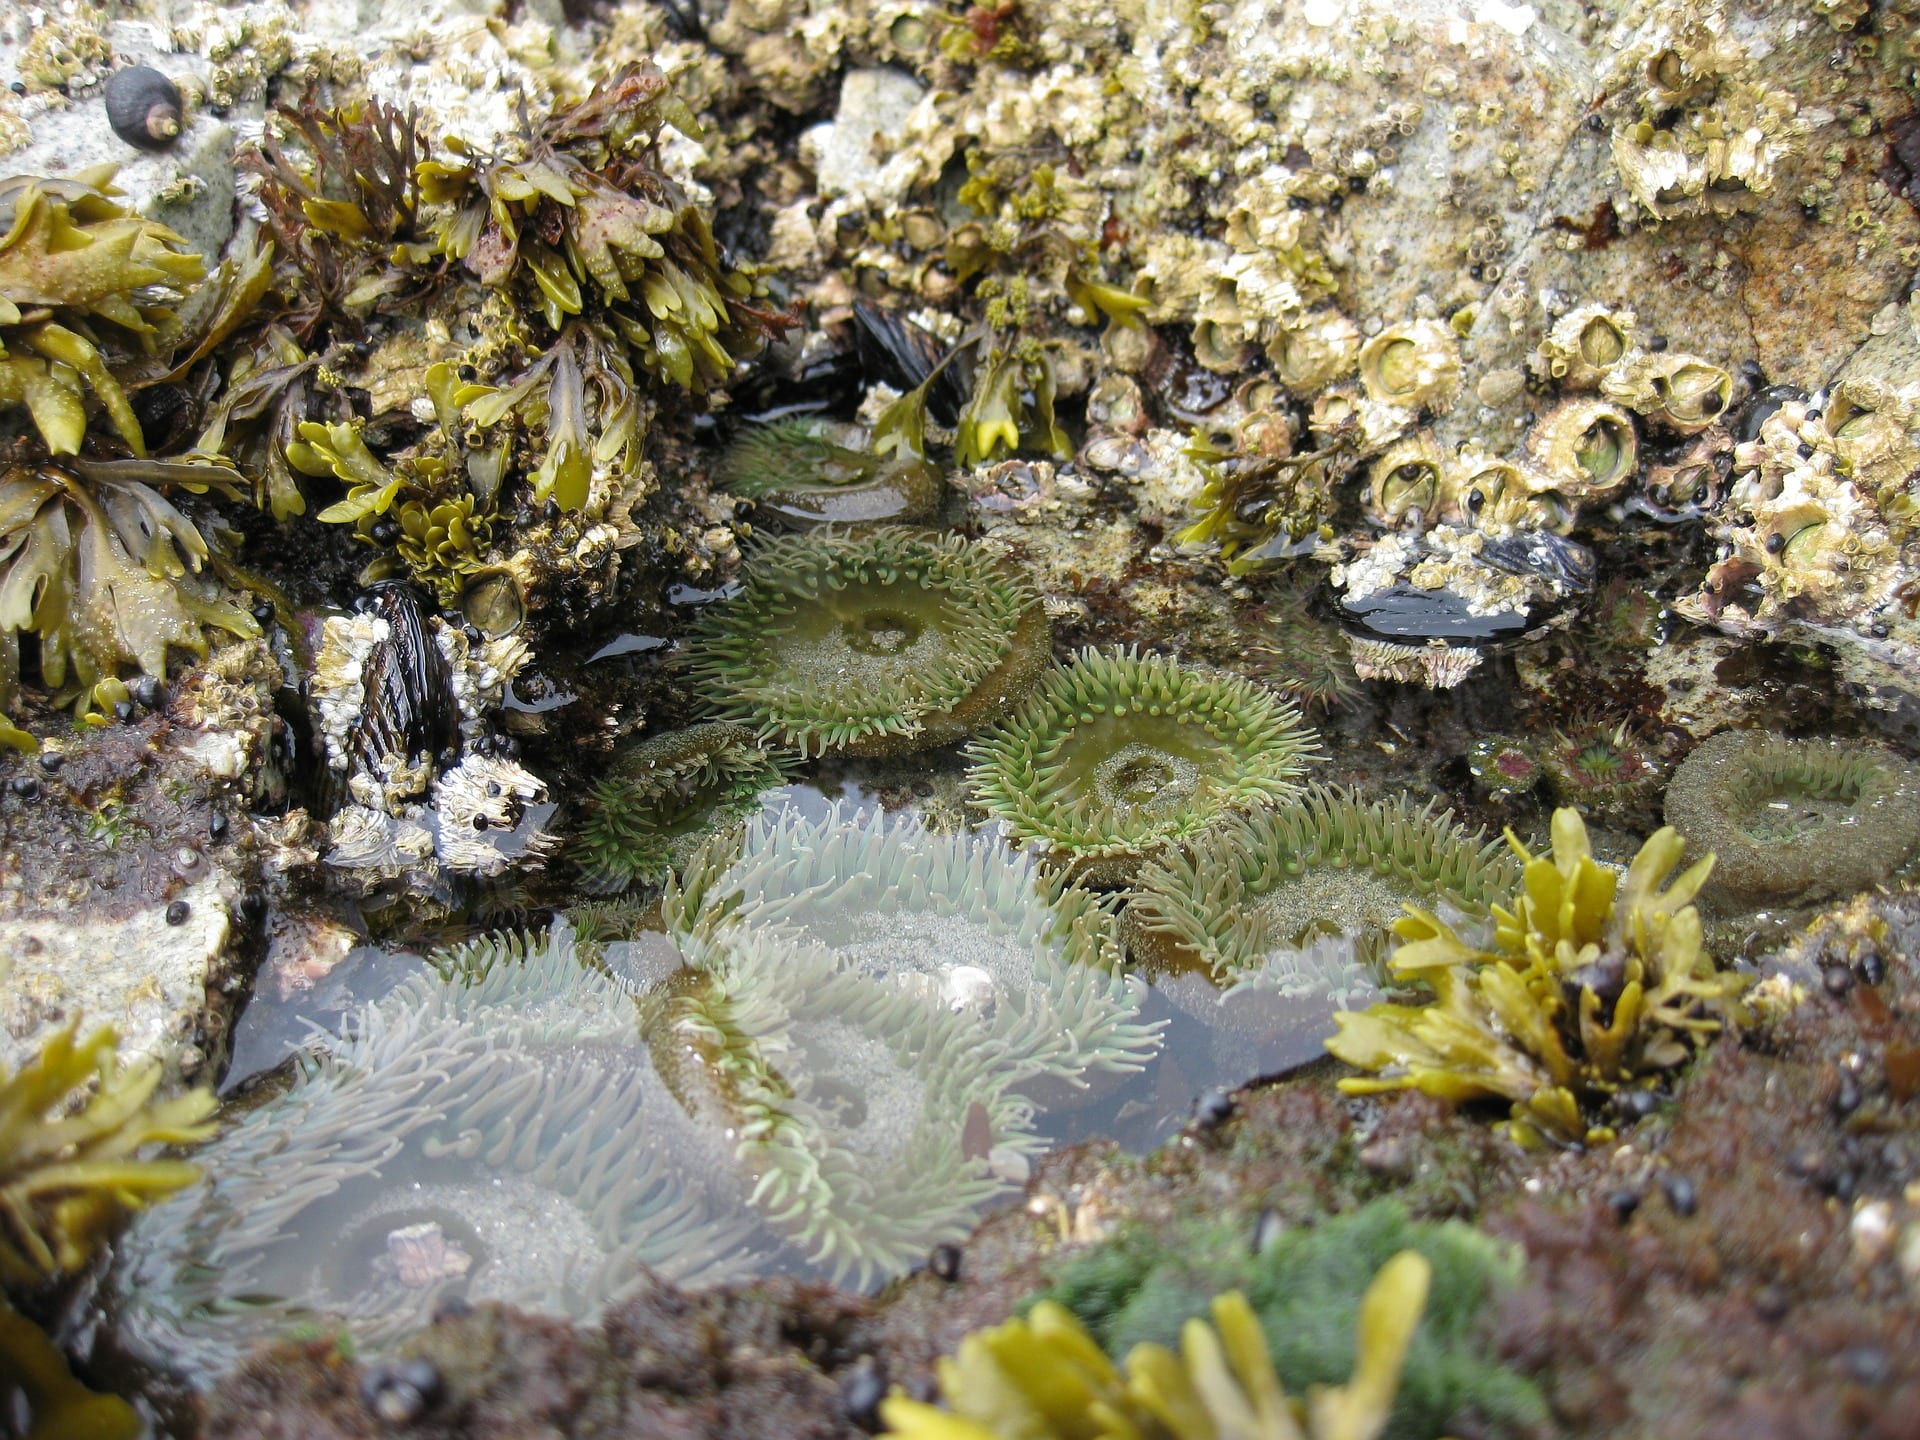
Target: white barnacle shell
490	816
1679	392
1405	478
1585	344
967	987
1585	449
1415	366
338	686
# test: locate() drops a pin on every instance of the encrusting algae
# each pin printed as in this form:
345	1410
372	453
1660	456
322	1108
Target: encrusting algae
1593	983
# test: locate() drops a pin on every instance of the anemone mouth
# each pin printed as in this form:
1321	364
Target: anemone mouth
872	644
1260	895
1119	753
960	919
1796	821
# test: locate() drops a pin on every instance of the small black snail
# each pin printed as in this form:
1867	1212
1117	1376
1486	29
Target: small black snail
143	106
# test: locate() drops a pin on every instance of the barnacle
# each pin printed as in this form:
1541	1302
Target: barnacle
1796	821
1405	479
963	921
1490	493
1118	754
1585	344
1313	348
492	1131
1044	1376
1592	983
578	219
1585	449
869	1113
1415	366
84	282
1681	393
1306	1285
1255	889
873	644
660	797
69	1171
94	560
799	474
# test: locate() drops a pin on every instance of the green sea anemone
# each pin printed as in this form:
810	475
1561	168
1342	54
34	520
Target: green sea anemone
1593	983
1044	1376
1792	822
797	473
662	796
1255	889
961	921
1305	660
875	644
1119	754
871	1115
1305	1286
499	1133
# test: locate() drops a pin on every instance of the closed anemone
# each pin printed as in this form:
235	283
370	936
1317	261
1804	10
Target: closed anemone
962	921
876	644
1119	754
499	1134
661	798
869	1114
1793	822
1252	893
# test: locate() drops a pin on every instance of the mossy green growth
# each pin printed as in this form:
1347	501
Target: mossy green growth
662	797
95	562
1592	983
1119	754
874	644
1045	1376
1793	822
1257	887
796	472
69	1171
85	284
1306	1289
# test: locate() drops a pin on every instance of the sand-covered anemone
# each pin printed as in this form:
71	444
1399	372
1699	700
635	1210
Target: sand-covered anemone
874	1119
961	921
1792	822
1121	753
1593	983
661	796
797	471
874	644
1249	895
496	1134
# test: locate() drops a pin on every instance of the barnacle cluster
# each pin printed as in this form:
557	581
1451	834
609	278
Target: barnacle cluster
493	1130
1592	983
1118	754
660	798
1044	1377
1790	822
874	644
1697	127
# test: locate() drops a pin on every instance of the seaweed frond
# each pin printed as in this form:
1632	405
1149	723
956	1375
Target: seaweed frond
1594	983
66	1173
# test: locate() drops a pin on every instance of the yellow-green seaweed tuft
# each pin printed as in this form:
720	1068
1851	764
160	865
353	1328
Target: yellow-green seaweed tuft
1593	983
1119	754
873	644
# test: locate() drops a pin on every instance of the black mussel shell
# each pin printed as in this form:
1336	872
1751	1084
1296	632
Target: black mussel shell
144	107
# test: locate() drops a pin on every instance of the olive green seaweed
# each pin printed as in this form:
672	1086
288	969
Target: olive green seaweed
1593	983
800	476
